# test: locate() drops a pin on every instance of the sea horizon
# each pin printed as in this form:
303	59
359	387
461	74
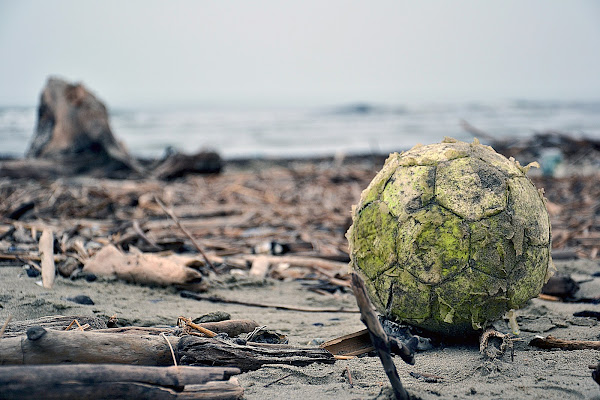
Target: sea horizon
239	131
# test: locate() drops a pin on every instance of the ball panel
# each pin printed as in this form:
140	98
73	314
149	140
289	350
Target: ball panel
410	298
470	188
408	190
376	186
529	211
489	156
492	250
433	244
462	297
373	239
529	275
433	154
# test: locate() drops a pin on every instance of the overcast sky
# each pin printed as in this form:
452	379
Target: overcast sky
143	53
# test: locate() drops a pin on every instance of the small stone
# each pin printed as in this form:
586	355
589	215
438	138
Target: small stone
35	333
81	299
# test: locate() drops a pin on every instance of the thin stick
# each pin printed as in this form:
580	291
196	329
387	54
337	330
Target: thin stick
170	347
191	324
379	338
186	232
215	299
5	325
349	376
277	380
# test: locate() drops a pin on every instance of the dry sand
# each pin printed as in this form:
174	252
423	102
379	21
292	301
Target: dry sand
463	372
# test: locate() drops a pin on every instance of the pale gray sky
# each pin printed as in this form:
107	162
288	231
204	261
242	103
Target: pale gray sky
142	53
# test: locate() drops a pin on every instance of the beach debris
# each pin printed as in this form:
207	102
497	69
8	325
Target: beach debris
596	372
189	327
47	258
278	380
588	314
425	377
352	344
171	214
215	316
560	285
73	130
384	345
550	342
175	165
81	299
145	268
261	334
146	346
102	381
56	322
436	231
493	344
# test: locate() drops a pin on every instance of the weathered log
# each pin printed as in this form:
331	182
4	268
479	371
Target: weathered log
93	381
42	346
174	376
57	322
193	350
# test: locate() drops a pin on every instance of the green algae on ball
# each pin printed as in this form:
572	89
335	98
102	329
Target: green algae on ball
450	236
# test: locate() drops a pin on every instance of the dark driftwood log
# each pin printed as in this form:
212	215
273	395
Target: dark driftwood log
42	346
193	350
550	342
90	381
379	338
57	322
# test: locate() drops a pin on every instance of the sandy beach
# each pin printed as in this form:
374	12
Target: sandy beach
305	206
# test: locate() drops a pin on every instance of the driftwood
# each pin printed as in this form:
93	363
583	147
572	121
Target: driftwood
146	268
382	343
193	350
47	256
42	346
93	381
550	342
232	327
56	322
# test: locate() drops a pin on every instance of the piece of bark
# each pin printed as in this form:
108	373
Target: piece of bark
93	381
56	322
352	344
379	338
140	268
42	346
550	342
47	256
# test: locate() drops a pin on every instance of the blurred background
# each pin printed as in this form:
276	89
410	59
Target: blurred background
277	79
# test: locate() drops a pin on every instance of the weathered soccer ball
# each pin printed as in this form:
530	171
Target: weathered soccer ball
450	236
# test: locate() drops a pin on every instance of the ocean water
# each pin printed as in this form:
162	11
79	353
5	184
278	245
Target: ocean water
299	132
